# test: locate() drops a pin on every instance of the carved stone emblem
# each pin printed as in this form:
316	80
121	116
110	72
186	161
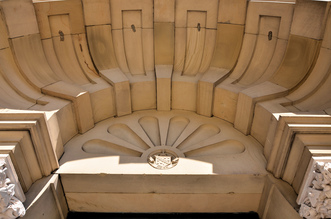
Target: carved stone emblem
163	159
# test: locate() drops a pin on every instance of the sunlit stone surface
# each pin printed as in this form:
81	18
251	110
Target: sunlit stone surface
166	106
203	145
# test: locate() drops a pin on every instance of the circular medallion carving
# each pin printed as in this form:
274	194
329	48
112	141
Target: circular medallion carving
163	159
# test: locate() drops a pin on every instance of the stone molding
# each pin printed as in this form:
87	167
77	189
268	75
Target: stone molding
36	125
288	126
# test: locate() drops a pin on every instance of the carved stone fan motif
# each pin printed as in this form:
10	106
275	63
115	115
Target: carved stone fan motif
161	140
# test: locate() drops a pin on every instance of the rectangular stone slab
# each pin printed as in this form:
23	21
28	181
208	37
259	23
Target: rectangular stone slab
96	202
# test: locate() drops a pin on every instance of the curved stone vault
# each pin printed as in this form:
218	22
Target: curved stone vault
167	106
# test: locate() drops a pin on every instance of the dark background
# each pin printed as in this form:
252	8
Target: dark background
76	215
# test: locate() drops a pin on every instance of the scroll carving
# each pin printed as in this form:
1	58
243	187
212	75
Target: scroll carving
10	206
317	203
